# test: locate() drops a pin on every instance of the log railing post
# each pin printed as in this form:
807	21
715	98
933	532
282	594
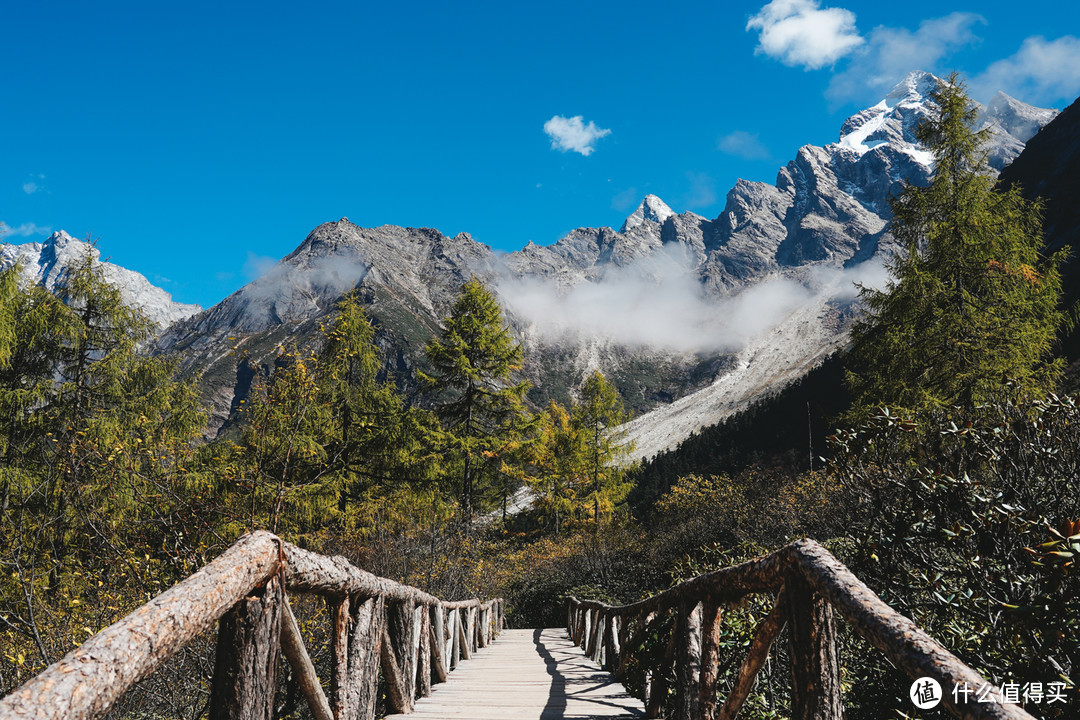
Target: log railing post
611	642
423	658
248	655
439	666
815	670
594	630
365	648
464	643
658	681
413	667
711	615
481	626
339	668
394	657
688	661
454	618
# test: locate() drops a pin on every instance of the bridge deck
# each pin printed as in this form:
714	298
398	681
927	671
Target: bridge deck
538	674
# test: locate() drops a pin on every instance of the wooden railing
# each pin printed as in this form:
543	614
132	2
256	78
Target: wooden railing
810	585
414	638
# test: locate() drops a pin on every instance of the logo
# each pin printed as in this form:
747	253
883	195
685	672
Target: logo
925	693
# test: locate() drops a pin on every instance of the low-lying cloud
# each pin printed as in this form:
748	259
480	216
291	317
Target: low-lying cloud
659	303
286	283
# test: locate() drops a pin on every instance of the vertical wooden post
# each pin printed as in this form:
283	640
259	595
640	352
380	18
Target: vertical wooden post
711	615
471	625
815	670
247	657
364	656
611	642
602	622
586	627
423	659
688	662
398	666
455	641
440	666
594	629
481	626
412	649
658	683
339	643
464	643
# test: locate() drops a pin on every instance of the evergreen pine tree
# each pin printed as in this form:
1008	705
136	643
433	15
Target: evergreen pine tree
479	405
971	301
378	442
598	413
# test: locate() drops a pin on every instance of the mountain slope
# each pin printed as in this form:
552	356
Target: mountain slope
45	263
669	305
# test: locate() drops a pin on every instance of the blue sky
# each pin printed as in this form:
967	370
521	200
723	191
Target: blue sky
196	140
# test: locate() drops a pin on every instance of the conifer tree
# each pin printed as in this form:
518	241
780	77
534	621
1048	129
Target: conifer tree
91	428
598	413
559	463
971	301
473	362
378	442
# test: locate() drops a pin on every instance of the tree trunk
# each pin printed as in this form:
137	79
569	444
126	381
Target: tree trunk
247	657
688	662
815	670
364	655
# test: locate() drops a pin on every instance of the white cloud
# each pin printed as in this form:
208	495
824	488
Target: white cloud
573	134
1041	71
24	230
891	53
30	188
745	145
800	33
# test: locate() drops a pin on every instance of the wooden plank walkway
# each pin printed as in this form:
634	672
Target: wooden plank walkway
528	674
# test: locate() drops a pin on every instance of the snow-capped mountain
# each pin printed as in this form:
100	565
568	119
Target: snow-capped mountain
670	305
45	263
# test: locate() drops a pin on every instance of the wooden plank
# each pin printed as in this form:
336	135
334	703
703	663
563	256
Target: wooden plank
528	674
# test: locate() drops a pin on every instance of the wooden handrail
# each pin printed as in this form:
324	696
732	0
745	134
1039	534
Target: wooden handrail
808	581
244	588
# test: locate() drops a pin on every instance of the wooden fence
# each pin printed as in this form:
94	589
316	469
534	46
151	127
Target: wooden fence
810	587
414	638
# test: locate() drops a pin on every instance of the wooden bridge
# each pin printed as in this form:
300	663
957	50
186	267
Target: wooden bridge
413	647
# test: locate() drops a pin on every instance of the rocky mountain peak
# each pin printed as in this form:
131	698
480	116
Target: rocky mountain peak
46	263
651	209
914	89
1016	118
